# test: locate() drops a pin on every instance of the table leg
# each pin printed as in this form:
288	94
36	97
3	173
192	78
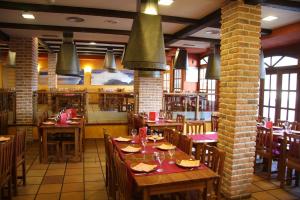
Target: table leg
45	146
198	149
77	143
208	190
146	195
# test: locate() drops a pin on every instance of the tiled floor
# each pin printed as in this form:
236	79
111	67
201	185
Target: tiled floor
85	180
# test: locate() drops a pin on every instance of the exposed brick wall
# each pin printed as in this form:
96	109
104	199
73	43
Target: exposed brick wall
52	77
150	93
26	76
240	46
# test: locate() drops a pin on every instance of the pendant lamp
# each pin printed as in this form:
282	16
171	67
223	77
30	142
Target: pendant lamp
67	60
109	61
213	65
181	59
11	59
262	69
146	49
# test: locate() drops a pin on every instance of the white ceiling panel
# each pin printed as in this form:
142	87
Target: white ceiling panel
209	32
191	44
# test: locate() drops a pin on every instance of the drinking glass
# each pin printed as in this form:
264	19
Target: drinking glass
154	136
133	133
144	143
171	153
160	157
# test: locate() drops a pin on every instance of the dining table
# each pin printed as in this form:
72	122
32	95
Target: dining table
200	139
69	127
174	178
163	123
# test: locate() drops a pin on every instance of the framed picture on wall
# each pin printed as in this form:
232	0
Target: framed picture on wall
104	77
62	80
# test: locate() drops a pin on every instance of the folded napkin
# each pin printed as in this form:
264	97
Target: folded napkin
131	149
166	146
70	122
155	137
142	167
122	139
189	163
3	139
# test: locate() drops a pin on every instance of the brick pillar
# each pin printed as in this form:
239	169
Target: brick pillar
26	79
240	47
52	77
150	93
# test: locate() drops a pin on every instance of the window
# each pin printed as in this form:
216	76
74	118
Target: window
280	88
167	81
177	80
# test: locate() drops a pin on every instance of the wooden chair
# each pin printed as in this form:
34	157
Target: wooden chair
295	126
185	144
214	123
168	134
180	119
280	123
19	159
172	136
265	147
130	120
169	115
214	158
6	164
291	158
195	128
106	141
111	171
3	122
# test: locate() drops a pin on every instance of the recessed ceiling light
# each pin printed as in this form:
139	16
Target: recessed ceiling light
165	2
28	15
270	18
92	43
74	19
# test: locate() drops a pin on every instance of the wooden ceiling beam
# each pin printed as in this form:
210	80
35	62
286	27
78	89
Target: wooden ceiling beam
86	11
281	4
4	36
44	45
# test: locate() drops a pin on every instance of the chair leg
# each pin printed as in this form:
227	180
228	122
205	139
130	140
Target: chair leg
269	167
9	188
297	178
57	152
289	176
24	172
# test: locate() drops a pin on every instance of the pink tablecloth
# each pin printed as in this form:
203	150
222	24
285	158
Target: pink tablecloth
200	137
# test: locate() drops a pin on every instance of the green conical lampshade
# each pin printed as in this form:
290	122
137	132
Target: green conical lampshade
109	61
181	59
213	65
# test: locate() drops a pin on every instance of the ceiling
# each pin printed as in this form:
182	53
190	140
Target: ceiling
181	15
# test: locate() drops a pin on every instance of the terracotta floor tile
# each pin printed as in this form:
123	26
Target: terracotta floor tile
33	180
92	170
72	196
256	178
263	196
39	166
96	185
96	195
282	195
73	179
54	196
265	185
74	165
57	166
254	188
92	164
74	172
73	187
28	189
36	172
55	172
53	179
50	188
93	177
24	197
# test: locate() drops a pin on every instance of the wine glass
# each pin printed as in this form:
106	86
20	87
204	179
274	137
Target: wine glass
171	153
144	143
160	157
154	137
133	133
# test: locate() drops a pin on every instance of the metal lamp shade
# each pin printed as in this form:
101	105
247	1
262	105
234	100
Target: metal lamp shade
213	66
67	59
181	59
262	69
11	59
110	62
146	49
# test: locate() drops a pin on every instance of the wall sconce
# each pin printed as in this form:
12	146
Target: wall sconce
87	69
38	67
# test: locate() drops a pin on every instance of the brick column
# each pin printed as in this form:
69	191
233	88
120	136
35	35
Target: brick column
150	93
26	79
240	47
52	77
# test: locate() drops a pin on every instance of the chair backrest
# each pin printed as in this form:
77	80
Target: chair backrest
295	126
213	158
195	128
20	145
3	122
180	119
168	134
106	141
280	122
130	120
264	139
124	181
214	123
185	144
169	115
293	142
6	155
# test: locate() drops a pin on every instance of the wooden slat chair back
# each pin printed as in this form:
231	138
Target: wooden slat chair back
123	179
185	144
6	158
169	115
130	120
195	128
174	137
295	126
214	123
3	122
140	122
214	158
180	119
112	171
291	158
168	134
280	123
107	166
19	158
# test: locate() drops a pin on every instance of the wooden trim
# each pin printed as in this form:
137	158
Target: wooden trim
106	123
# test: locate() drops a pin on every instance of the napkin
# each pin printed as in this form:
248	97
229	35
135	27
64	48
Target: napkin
131	149
166	146
190	163
156	137
143	167
3	139
122	139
